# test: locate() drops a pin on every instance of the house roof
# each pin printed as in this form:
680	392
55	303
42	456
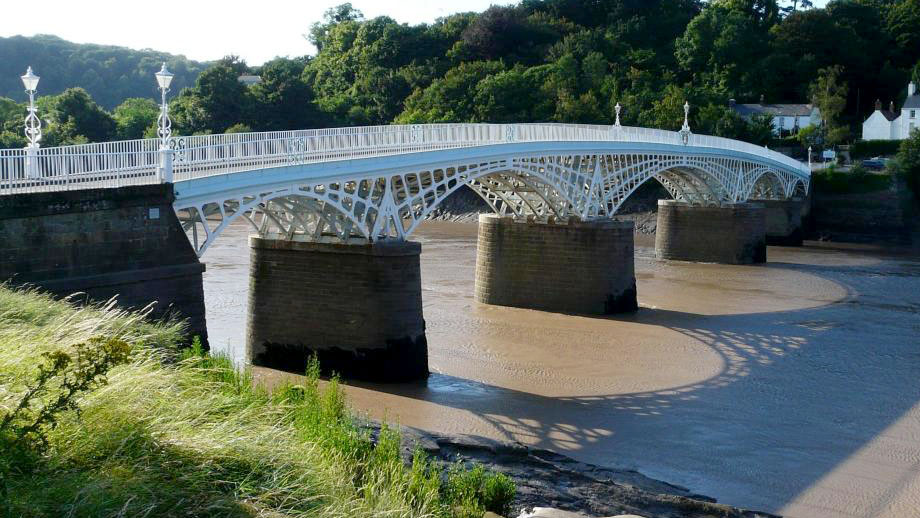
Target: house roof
250	79
890	115
912	102
784	110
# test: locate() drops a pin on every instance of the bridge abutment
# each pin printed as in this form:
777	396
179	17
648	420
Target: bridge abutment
728	234
572	267
783	221
99	243
357	307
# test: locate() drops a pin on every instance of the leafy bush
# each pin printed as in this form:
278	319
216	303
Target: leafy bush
61	378
908	162
476	491
872	148
858	180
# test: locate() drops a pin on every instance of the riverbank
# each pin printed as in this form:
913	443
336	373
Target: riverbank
102	414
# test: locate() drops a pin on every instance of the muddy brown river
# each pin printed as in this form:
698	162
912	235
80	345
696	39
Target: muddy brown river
791	387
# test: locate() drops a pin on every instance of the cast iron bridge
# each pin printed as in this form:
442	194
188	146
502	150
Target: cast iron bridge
379	182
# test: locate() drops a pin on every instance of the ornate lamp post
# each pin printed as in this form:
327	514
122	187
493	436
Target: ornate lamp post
685	130
617	108
33	124
164	125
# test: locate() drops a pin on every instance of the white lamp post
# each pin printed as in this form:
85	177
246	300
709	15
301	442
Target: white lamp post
685	130
33	123
164	125
617	108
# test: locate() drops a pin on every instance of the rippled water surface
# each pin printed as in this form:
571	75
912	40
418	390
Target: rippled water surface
792	387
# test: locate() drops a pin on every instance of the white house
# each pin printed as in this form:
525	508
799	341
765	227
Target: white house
787	118
891	125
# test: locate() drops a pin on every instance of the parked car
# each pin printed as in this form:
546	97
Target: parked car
876	163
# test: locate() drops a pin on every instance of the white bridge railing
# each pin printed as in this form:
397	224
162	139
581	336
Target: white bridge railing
116	164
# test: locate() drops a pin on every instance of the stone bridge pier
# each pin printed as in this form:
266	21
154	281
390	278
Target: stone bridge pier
783	221
357	306
569	266
728	233
95	244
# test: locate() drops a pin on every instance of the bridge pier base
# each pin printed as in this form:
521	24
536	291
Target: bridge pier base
357	307
103	243
784	221
571	267
728	234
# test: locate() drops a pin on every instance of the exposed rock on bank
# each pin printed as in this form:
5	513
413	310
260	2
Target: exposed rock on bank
549	480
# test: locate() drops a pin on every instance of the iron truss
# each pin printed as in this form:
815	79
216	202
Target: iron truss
390	205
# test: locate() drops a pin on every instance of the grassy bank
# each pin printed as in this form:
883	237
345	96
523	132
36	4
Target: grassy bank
184	434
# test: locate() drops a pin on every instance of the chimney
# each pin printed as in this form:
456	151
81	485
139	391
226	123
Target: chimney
911	88
878	105
891	107
731	103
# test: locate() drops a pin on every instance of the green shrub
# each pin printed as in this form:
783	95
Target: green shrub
474	491
61	378
873	148
908	162
858	180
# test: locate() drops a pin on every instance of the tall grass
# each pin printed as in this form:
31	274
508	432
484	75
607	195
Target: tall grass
185	434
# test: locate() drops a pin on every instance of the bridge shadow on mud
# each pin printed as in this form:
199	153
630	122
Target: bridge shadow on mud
799	394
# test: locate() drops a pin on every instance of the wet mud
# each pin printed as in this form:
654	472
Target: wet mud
792	387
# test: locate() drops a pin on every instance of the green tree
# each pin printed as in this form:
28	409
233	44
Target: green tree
333	16
903	24
285	101
514	95
908	161
217	102
723	47
829	94
451	98
134	117
74	118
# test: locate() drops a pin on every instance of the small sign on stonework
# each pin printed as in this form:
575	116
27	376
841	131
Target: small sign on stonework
154	213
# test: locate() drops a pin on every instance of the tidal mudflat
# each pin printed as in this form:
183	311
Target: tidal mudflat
791	387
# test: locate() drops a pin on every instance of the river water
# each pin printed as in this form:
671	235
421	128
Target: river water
791	387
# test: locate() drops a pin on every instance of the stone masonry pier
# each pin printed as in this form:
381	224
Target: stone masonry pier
783	221
728	234
572	267
358	307
100	243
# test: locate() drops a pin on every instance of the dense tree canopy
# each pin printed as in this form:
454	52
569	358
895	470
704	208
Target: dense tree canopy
538	60
109	74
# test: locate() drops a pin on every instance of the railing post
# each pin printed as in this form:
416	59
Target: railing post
32	171
166	165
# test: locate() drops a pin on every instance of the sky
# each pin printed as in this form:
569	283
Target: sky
209	29
256	30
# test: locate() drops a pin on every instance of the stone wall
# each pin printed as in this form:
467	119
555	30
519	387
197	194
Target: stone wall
104	242
783	221
357	306
575	267
729	234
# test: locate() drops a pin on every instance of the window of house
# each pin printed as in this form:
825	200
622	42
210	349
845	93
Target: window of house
782	122
913	113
